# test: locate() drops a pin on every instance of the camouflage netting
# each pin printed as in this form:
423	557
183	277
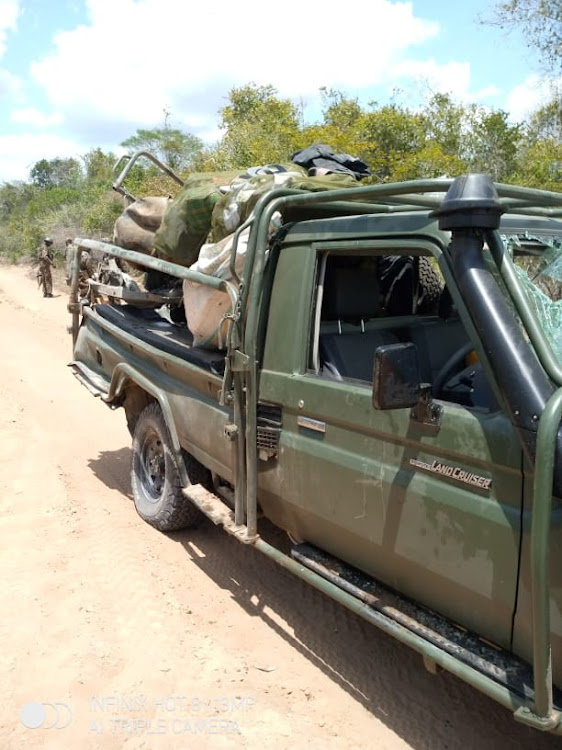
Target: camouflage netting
187	221
207	311
236	206
211	207
196	229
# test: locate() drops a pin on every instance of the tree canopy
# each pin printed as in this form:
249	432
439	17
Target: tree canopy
73	197
259	128
174	147
60	173
541	22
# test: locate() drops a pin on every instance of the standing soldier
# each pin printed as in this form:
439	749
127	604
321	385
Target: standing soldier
44	276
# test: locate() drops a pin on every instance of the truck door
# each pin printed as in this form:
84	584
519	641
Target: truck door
432	510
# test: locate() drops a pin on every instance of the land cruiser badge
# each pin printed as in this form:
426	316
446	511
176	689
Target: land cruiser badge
454	472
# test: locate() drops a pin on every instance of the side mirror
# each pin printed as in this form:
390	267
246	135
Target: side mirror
396	377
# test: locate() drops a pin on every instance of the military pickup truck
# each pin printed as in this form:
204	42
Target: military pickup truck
411	455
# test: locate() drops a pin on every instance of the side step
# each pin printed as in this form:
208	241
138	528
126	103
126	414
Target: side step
443	645
215	509
492	661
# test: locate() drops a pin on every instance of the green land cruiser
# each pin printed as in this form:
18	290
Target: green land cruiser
409	446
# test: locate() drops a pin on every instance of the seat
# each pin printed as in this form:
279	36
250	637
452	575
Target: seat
346	345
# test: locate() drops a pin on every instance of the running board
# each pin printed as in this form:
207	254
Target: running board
443	645
492	661
215	509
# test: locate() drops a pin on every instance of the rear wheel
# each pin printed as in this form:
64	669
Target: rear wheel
155	478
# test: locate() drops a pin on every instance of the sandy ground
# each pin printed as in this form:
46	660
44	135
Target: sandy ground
116	636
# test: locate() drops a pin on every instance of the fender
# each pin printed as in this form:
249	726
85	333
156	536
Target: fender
124	374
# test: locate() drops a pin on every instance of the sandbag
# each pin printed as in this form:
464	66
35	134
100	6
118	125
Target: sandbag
187	221
206	308
136	227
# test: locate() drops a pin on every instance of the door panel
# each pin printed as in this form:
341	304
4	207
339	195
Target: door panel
367	490
434	512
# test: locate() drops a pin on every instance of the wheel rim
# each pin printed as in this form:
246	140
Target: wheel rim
153	467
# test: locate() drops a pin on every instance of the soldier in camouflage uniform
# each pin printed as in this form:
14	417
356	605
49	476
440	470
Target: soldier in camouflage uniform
44	276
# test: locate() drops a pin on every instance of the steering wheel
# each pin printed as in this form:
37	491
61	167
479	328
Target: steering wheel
449	368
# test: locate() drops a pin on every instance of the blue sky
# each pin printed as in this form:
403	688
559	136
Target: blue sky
78	74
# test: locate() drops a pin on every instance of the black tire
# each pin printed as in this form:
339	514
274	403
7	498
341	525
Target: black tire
430	287
155	479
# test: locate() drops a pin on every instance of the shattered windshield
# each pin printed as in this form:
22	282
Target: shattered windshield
538	263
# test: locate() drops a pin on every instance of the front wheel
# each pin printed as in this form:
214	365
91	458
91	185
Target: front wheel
155	478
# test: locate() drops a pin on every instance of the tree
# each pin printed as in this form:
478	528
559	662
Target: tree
430	161
388	135
492	143
342	125
14	197
540	165
443	122
98	166
171	145
546	122
259	127
541	22
340	111
56	173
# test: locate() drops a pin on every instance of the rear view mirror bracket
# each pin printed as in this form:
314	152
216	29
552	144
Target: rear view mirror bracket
426	410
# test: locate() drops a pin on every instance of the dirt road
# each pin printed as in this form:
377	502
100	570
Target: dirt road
116	636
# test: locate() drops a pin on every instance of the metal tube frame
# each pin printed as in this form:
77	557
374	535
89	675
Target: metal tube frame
130	162
549	423
156	264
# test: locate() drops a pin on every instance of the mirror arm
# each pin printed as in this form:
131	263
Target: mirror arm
426	410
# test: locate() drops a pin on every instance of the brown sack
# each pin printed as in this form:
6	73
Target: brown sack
137	225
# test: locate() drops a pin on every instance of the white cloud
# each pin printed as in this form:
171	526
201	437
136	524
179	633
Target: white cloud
135	59
20	152
529	96
31	116
487	93
10	85
453	77
428	77
9	12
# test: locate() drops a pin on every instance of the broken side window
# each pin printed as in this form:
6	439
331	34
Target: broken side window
538	264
